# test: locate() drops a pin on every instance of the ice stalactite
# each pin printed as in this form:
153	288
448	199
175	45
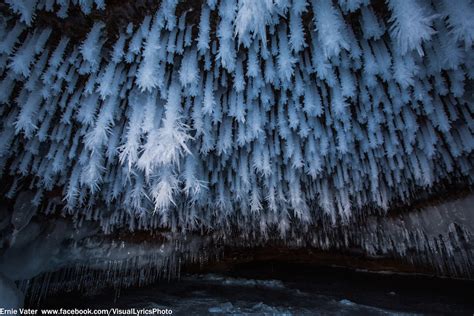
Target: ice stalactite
233	118
53	255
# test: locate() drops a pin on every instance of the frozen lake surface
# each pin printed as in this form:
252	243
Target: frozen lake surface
288	290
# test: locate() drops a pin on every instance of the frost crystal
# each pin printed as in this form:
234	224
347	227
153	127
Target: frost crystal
265	114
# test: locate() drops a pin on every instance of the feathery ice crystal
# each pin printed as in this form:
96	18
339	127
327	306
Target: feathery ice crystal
259	113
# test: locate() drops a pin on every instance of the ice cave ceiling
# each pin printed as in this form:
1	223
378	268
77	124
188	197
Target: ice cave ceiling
192	125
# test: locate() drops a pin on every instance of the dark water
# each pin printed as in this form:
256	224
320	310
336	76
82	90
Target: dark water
269	288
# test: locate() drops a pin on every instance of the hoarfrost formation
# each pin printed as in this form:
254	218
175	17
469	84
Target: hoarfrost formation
237	117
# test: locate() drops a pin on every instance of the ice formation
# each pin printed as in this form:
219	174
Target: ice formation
235	117
259	120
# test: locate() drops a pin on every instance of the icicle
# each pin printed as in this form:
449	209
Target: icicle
168	143
411	25
297	36
25	8
285	60
189	72
204	29
460	20
226	53
7	44
330	28
251	20
148	74
371	26
27	118
129	151
21	61
92	45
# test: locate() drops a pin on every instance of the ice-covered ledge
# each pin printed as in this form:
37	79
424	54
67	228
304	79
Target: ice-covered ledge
435	239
